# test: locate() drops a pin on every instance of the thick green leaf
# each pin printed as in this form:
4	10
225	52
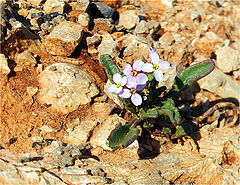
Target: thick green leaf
167	131
109	65
182	130
149	113
193	73
122	136
171	111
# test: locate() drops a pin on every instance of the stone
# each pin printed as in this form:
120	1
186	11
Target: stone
81	133
84	19
153	26
25	60
128	19
65	87
51	6
100	10
109	48
93	40
102	24
166	39
99	137
221	84
46	128
4	65
64	38
80	5
142	28
228	59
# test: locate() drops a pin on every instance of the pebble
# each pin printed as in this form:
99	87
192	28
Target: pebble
65	87
101	25
46	128
100	10
25	60
51	6
142	28
84	19
128	19
64	38
228	59
95	39
80	5
4	65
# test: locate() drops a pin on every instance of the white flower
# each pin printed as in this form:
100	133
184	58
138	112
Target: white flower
119	83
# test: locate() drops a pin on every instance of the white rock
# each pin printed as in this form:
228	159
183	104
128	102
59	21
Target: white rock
104	130
46	128
4	64
221	84
54	6
108	48
228	59
65	87
83	19
64	38
128	19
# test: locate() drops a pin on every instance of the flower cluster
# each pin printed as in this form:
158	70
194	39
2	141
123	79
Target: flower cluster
135	79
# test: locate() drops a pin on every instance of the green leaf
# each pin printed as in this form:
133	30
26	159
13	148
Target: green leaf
122	136
171	111
167	131
109	65
149	113
182	130
193	73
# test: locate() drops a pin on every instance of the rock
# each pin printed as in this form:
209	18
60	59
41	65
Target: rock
4	65
65	87
221	84
142	28
32	90
100	136
81	133
166	39
100	10
51	6
46	128
153	26
236	74
64	38
83	19
94	40
228	59
102	24
128	19
108	48
80	5
25	60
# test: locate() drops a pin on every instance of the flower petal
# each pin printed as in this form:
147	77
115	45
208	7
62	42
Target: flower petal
154	57
111	88
138	65
140	87
158	75
123	81
118	90
127	69
132	82
136	99
117	78
164	65
142	78
147	67
126	93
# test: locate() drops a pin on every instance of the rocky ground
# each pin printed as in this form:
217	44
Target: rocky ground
56	116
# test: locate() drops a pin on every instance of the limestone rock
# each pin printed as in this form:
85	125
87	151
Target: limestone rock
228	59
108	48
83	19
4	65
80	5
25	60
142	28
65	87
100	136
64	38
128	19
51	6
221	84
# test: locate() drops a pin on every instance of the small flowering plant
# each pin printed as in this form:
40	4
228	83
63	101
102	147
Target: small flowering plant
137	89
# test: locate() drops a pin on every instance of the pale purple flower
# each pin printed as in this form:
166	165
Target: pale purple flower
132	92
155	66
120	82
132	72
